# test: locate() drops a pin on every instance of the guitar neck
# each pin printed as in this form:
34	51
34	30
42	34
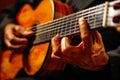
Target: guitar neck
96	17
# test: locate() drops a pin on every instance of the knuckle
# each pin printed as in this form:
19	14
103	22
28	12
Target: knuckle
85	34
11	38
9	46
52	55
53	39
65	50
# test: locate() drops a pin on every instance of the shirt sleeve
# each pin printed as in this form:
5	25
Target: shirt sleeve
114	60
7	15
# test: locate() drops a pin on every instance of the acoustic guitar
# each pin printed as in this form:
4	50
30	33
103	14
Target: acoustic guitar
50	21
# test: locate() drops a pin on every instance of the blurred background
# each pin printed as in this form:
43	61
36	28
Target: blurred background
5	3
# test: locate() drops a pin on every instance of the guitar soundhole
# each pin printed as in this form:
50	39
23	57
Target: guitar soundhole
117	6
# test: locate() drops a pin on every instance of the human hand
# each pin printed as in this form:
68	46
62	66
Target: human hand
15	37
89	54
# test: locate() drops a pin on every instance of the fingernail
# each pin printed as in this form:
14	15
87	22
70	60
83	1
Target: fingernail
28	32
81	20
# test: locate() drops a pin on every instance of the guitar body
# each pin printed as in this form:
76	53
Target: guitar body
37	56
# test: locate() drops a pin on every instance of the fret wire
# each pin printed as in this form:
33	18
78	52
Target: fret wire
77	30
88	16
95	26
92	8
101	12
57	26
91	12
68	16
50	26
91	20
43	38
99	22
53	26
95	19
51	30
64	26
72	21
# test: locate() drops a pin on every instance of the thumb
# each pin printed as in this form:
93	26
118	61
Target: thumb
27	33
22	32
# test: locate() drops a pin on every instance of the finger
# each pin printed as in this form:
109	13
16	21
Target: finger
84	32
55	56
20	31
68	51
55	43
98	43
15	47
97	36
27	33
17	40
66	46
14	39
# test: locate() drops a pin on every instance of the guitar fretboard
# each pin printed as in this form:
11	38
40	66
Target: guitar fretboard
68	25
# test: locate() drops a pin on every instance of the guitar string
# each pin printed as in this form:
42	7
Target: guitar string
44	27
60	19
64	23
69	25
63	31
68	20
66	32
44	36
98	24
101	20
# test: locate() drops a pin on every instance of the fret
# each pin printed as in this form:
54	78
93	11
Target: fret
68	25
88	20
76	23
64	26
95	17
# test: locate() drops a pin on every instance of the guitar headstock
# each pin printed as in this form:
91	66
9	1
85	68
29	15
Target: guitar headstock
113	14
